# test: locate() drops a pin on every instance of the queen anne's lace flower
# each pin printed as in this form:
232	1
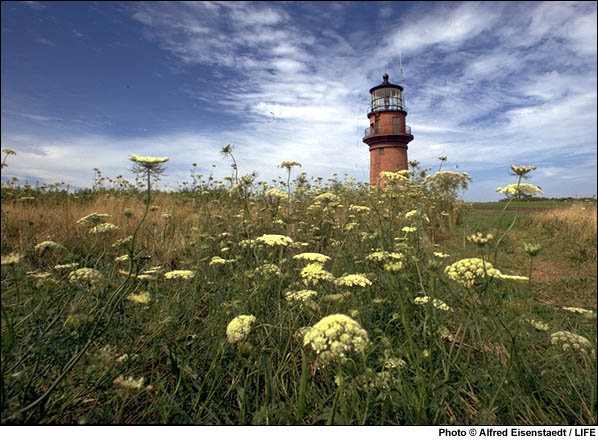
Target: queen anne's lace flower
480	239
314	273
327	198
274	240
267	270
522	170
246	243
570	341
381	256
532	249
539	325
520	189
66	266
468	270
300	295
579	310
312	256
12	258
129	383
94	218
219	260
359	209
103	227
179	275
86	275
441	305
238	329
274	192
47	245
140	298
122	259
288	164
393	266
334	336
147	160
397	176
353	280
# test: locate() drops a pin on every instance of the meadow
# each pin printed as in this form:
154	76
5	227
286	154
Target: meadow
300	301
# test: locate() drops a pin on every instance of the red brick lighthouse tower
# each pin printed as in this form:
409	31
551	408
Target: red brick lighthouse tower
388	134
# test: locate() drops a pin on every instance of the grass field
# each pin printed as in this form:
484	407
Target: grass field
304	302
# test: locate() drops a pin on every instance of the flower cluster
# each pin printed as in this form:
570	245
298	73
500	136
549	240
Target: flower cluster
570	341
147	160
334	336
532	249
312	256
393	266
122	259
238	329
66	266
440	305
140	298
94	218
103	227
47	245
357	209
86	275
409	229
301	296
129	384
522	170
266	270
314	273
466	271
288	164
517	189
12	258
393	177
480	239
539	325
274	240
276	193
179	275
123	241
219	260
327	198
353	280
579	310
381	256
393	363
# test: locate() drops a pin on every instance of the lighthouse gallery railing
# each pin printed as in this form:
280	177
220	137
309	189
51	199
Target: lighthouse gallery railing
372	130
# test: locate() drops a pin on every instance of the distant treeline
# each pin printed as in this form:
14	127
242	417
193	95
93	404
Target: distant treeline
552	199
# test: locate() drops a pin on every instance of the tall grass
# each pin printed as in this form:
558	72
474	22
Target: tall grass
152	349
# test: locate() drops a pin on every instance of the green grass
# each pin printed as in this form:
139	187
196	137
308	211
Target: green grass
64	344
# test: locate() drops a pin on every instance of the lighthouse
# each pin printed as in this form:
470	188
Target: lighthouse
388	134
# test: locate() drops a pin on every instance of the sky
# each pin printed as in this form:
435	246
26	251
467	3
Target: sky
487	84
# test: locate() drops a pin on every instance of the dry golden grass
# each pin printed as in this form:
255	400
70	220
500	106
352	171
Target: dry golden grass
25	225
578	220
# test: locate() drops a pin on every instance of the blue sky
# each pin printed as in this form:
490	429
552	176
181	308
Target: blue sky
487	84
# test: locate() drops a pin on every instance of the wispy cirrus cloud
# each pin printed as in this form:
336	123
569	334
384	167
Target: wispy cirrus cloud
487	84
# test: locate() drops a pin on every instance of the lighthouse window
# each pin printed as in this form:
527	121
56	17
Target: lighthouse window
381	151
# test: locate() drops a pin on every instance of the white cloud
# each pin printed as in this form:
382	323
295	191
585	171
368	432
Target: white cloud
487	84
